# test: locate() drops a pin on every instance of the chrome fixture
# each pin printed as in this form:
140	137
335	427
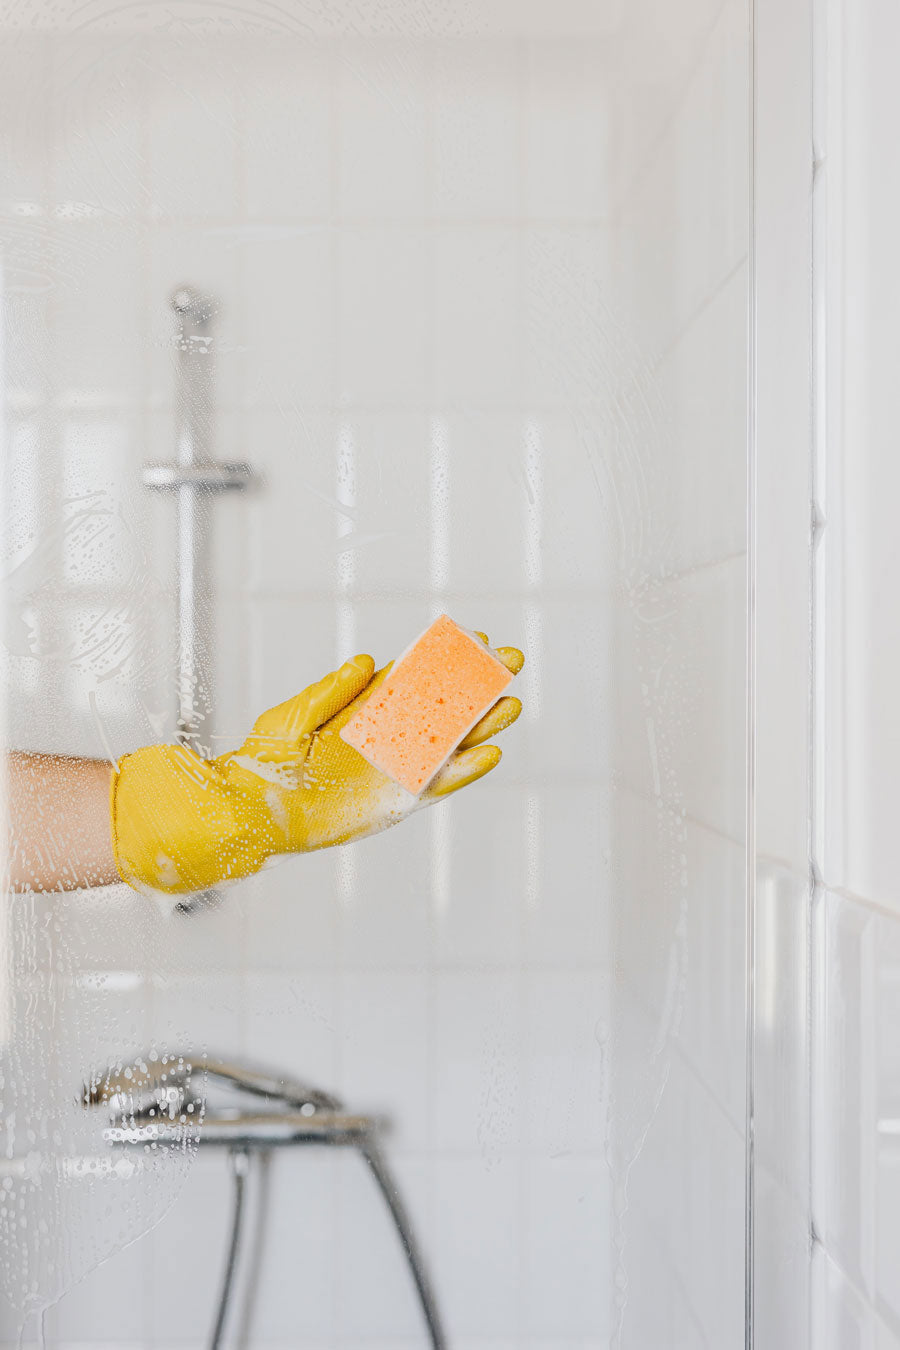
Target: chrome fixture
196	477
165	1102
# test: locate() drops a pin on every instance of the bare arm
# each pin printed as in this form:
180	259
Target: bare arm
59	837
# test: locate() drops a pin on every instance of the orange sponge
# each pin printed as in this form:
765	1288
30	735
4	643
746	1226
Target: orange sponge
432	698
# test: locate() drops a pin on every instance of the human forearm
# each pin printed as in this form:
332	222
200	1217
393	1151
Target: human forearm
59	836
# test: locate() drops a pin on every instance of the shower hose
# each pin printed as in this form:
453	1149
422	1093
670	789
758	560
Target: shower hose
240	1166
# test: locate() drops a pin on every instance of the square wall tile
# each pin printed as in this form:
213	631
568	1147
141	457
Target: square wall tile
206	942
482	921
492	539
577	350
384	1059
102	544
565	688
652	1307
783	1048
192	126
289	335
96	91
476	109
382	314
841	1317
688	1180
290	1287
381	95
712	1027
681	680
107	928
388	532
197	1014
568	129
886	937
385	912
185	1253
94	1019
864	656
708	768
684	224
293	917
886	1086
292	644
225	696
565	1056
712	1259
659	1154
702	383
478	316
571	517
478	1215
783	1264
294	452
844	1127
111	1302
99	340
30	127
287	129
887	1231
647	920
565	1293
293	1026
476	1062
568	891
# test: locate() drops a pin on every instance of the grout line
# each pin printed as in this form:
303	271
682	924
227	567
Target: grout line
348	223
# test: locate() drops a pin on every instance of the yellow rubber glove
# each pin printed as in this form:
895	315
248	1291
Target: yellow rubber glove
182	823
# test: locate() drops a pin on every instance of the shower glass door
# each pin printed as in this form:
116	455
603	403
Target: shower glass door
320	322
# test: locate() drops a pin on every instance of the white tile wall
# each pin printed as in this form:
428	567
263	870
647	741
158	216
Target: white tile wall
679	726
477	338
855	1298
415	260
288	116
477	131
383	272
382	150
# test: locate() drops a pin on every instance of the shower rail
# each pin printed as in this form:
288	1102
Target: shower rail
196	477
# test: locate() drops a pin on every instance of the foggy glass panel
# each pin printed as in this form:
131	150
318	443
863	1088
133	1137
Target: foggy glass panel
454	300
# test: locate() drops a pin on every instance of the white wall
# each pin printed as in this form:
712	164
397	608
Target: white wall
403	237
782	798
856	1162
680	667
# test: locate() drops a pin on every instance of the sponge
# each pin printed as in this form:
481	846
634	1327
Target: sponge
433	696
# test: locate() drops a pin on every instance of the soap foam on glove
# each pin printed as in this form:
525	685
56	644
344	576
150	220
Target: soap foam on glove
435	693
183	823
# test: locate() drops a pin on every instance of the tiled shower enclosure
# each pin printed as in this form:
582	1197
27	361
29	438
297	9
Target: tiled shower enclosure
480	279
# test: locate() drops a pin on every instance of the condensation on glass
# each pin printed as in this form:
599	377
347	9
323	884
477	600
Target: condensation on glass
457	296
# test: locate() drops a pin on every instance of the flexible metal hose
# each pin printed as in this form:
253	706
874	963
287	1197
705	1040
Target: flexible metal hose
379	1169
240	1166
